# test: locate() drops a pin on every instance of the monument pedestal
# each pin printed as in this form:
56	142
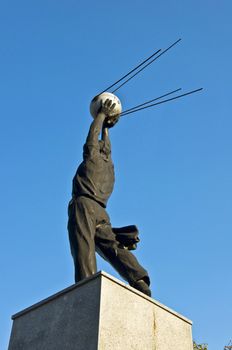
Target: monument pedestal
100	313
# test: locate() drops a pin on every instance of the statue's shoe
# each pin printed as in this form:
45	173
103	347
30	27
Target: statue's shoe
142	286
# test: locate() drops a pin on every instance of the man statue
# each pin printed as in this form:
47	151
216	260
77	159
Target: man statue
89	224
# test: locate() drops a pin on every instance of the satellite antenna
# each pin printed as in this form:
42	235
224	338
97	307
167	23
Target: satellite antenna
130	75
159	103
141	69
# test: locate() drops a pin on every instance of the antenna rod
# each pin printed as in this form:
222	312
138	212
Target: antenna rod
145	103
154	59
126	75
169	99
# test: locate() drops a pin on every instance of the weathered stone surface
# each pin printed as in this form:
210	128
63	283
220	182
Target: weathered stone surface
100	313
68	320
131	320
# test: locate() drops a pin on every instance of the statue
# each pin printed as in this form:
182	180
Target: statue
89	224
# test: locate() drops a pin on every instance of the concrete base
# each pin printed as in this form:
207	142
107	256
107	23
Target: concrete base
100	313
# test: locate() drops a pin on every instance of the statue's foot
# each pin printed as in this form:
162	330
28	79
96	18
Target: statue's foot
142	286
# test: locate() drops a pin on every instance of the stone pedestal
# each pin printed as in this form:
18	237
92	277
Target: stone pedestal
100	313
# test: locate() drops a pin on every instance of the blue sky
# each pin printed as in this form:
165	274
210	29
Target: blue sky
173	163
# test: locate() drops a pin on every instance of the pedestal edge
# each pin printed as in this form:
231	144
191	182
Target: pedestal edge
87	280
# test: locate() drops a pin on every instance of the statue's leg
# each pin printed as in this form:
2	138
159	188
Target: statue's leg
81	228
122	260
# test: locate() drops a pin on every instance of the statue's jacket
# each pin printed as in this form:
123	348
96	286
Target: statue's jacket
95	179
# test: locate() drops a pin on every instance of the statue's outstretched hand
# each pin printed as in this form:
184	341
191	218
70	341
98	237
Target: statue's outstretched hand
108	109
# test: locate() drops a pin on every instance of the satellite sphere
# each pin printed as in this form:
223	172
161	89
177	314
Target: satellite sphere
99	99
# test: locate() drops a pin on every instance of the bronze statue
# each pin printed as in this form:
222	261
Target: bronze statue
89	225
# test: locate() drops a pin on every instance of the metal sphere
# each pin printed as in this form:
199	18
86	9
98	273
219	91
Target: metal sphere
99	99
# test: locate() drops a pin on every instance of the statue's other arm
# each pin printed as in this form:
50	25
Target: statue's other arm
91	146
105	135
95	129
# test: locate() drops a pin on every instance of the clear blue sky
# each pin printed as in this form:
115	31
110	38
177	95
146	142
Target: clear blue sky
173	163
